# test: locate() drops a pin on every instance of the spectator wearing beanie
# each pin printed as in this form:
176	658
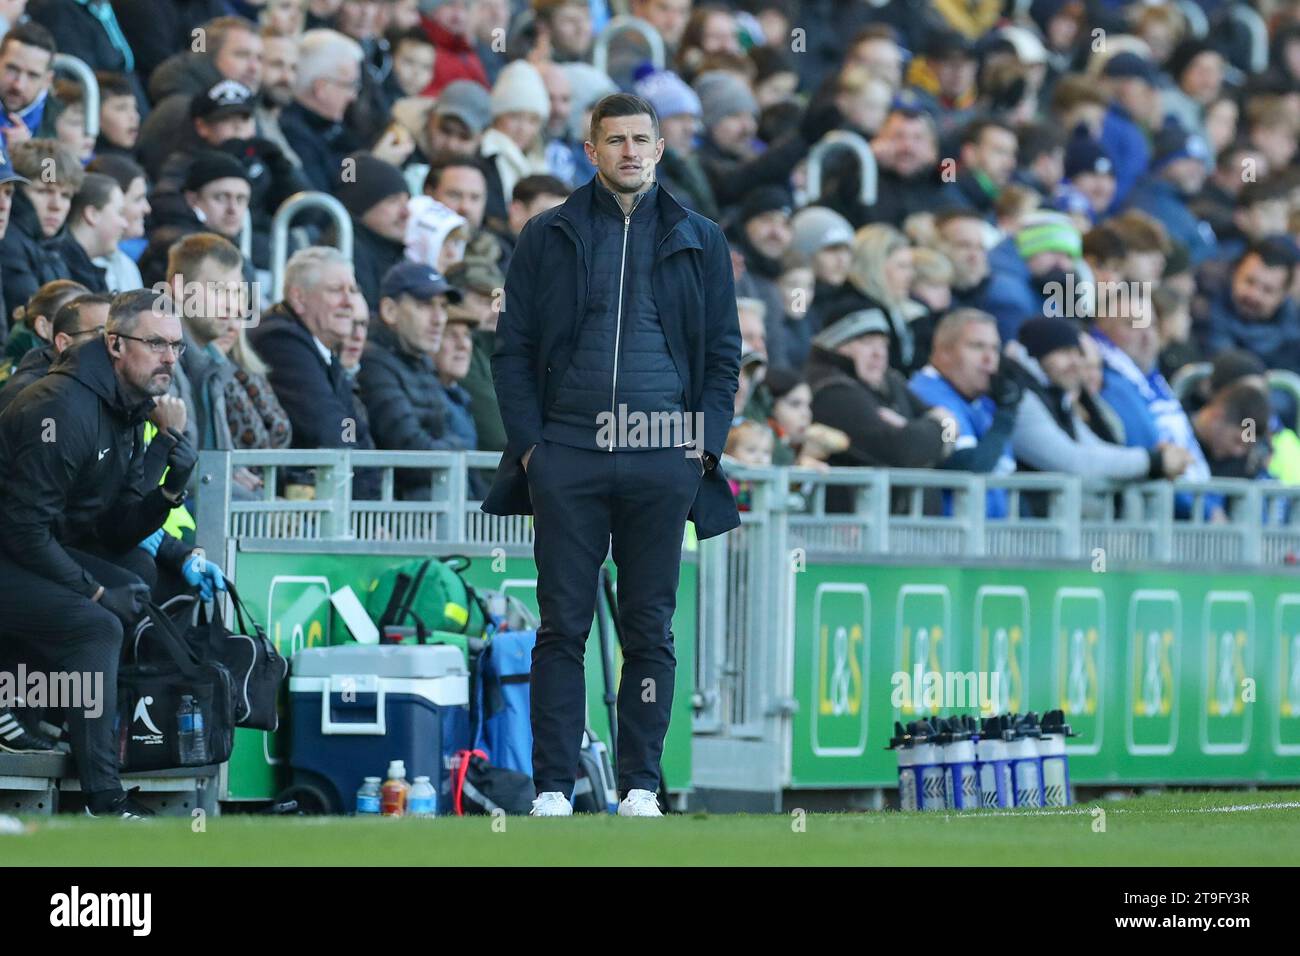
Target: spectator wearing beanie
1049	434
376	197
855	391
512	147
1089	185
221	118
212	198
436	236
728	153
679	111
762	236
447	23
826	238
1123	134
1178	171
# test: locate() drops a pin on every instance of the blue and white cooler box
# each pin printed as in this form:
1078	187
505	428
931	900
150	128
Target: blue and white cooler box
355	707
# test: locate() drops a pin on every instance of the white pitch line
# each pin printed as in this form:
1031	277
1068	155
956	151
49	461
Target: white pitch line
1086	809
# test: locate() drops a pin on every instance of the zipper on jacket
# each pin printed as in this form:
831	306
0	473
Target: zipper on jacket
618	321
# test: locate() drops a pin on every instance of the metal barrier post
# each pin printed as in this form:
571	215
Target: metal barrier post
866	164
280	231
652	37
89	86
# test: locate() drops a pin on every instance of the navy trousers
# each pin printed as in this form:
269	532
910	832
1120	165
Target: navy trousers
584	501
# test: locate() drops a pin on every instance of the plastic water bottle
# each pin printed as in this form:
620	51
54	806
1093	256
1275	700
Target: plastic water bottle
993	763
395	791
1026	771
423	801
192	738
927	765
961	787
368	798
1054	760
901	743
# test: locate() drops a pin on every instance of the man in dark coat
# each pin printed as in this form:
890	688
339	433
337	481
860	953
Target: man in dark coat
299	339
376	197
68	608
620	309
399	384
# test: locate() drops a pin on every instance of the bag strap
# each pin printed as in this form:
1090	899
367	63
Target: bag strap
167	637
458	787
394	607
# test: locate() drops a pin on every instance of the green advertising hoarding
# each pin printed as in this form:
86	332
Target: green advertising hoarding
290	593
1165	677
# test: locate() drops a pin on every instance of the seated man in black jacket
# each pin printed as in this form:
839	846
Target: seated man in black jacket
299	339
406	405
68	608
375	195
214	198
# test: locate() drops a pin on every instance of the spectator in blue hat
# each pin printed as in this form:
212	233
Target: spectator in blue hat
405	402
680	113
1178	171
1134	113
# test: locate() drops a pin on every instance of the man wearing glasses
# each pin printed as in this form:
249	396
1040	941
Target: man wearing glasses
72	470
329	79
75	322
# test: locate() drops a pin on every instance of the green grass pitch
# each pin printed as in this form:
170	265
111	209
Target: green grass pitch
1184	829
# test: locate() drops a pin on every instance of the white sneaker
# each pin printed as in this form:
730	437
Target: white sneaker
551	804
639	803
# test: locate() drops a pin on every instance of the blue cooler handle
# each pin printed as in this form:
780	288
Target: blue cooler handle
357	684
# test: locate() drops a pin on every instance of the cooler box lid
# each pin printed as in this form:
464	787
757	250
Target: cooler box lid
381	660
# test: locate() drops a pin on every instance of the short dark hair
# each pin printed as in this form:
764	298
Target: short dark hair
396	37
122	168
95	193
441	162
68	317
30	34
1243	402
539	184
1038	139
974	131
1103	244
125	309
113	84
48	299
622	104
1274	252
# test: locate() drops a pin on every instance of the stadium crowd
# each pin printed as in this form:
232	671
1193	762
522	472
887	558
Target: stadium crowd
1070	203
973	235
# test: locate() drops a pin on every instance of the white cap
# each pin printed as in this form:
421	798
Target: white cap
396	769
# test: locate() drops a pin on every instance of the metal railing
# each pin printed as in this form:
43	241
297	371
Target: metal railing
290	208
67	63
628	24
840	512
839	140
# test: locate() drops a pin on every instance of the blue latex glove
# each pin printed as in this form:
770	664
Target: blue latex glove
151	543
201	573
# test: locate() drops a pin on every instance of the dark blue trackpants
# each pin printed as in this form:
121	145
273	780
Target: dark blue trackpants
582	501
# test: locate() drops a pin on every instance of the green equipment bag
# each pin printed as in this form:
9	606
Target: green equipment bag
429	594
